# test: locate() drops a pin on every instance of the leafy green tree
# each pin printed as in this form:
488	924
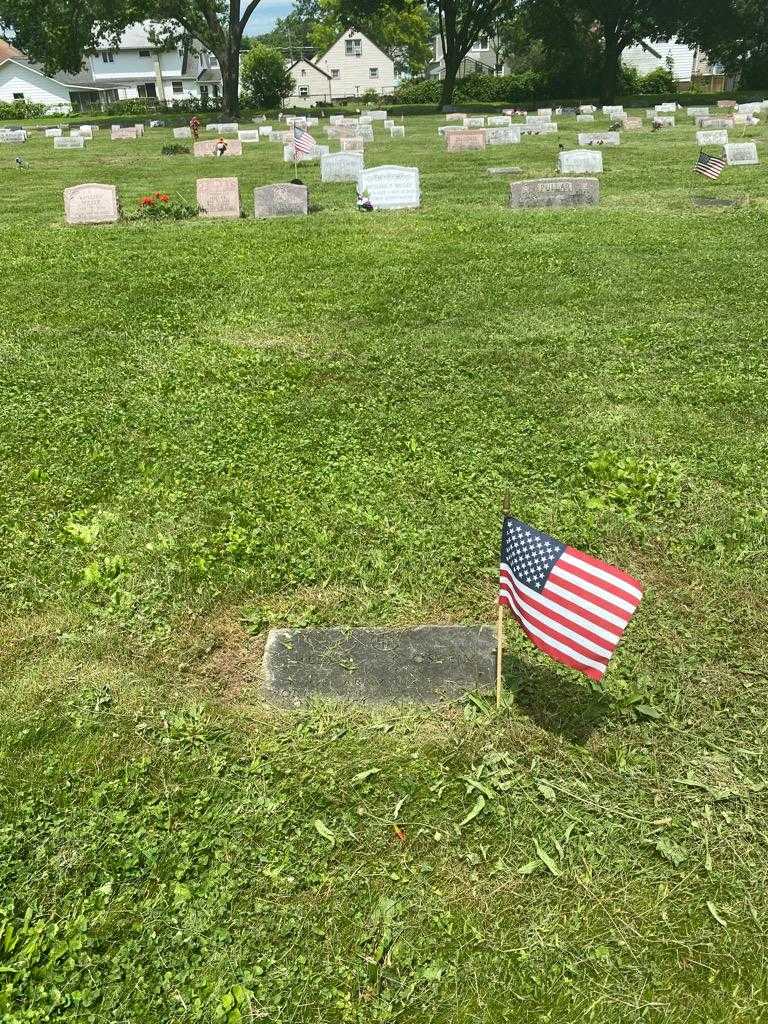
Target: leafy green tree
616	24
58	32
733	33
291	34
401	30
265	79
460	24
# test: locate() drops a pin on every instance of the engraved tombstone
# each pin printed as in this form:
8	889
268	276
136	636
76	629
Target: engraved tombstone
457	142
741	154
341	167
554	192
580	161
712	138
599	138
218	198
182	133
73	142
280	200
506	136
234	148
91	204
391	187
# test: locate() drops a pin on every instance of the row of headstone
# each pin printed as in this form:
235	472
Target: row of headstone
387	187
13	135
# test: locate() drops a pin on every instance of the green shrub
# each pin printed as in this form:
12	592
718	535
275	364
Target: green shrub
160	206
502	89
265	79
20	108
175	150
659	81
425	91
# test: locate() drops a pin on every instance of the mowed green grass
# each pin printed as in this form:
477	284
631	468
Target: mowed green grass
210	428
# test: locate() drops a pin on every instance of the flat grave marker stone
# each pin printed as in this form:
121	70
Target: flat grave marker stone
541	128
378	666
182	133
71	142
249	135
507	136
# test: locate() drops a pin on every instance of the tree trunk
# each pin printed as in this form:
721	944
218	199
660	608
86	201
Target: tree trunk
449	82
609	75
230	81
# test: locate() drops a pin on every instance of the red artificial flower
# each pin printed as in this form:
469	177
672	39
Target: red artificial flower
147	201
163	197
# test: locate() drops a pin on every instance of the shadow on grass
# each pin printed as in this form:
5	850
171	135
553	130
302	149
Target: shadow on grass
568	708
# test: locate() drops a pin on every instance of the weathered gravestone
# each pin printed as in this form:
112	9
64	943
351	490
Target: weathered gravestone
424	664
265	129
341	166
365	131
124	134
397	131
567	112
585	118
716	201
501	121
545	112
633	124
727	104
664	122
719	138
234	148
580	161
249	135
391	187
85	130
53	133
698	111
218	198
612	111
446	129
139	128
353	145
457	142
741	154
587	108
182	133
72	142
543	128
281	200
389	123
554	192
714	122
474	122
290	155
221	129
538	119
91	203
336	119
666	108
513	172
599	138
455	117
378	115
502	136
284	137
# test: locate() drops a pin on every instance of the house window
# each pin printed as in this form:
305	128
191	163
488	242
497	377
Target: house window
215	91
335	72
18	95
353	47
107	57
303	73
303	90
145	53
212	60
203	92
373	72
178	87
147	90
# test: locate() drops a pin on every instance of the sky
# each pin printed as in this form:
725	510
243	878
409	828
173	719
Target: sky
266	14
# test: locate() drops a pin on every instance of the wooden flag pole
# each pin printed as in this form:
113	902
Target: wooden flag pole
500	623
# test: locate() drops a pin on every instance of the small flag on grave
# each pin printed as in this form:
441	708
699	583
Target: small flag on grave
709	166
572	606
302	140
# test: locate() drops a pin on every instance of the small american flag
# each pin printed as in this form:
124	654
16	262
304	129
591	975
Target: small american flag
302	141
709	166
572	606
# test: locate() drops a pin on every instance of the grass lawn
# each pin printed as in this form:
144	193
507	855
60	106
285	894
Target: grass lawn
210	428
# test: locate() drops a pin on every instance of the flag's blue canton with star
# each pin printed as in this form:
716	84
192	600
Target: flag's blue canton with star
529	554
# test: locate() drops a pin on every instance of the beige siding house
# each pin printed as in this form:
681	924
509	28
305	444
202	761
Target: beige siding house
351	67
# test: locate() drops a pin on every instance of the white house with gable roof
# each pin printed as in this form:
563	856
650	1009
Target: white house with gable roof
351	67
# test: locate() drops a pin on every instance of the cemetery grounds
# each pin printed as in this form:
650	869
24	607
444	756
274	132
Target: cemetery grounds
210	428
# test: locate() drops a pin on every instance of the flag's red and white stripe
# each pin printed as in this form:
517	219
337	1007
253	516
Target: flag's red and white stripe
302	141
581	613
